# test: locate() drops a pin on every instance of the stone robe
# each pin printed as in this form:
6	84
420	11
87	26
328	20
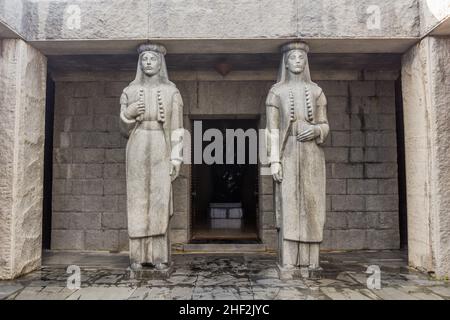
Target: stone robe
300	197
148	161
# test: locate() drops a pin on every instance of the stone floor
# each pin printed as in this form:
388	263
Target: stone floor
226	276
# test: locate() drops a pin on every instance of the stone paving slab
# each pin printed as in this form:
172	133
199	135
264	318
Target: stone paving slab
8	290
226	276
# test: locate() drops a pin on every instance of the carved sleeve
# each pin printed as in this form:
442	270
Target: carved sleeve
322	119
126	125
177	130
273	127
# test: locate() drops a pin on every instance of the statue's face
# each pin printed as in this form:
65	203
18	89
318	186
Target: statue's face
296	61
150	63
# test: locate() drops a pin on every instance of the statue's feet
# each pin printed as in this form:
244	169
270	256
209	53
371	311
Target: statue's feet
314	267
289	267
315	272
147	265
135	266
161	266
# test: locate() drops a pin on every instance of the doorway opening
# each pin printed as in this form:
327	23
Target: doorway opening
402	210
48	164
224	197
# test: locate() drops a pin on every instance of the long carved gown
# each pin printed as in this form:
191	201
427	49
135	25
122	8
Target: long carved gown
301	198
148	156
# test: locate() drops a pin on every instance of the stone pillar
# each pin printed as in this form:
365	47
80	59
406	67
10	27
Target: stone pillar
22	109
426	103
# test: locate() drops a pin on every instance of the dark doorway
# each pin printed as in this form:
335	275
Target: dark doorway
225	195
48	164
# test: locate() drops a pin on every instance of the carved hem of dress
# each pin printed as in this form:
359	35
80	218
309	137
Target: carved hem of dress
147	234
303	241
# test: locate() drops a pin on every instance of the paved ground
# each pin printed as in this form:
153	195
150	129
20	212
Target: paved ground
237	276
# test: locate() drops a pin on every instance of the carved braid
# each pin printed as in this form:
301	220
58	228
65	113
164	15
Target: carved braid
308	104
292	106
161	113
141	103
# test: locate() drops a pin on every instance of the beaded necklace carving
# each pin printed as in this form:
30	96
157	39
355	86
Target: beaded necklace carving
161	114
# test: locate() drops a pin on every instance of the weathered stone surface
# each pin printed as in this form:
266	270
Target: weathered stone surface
340	18
426	83
223	19
11	12
104	19
22	106
217	19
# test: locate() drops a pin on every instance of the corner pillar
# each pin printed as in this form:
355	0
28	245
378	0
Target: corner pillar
23	72
426	103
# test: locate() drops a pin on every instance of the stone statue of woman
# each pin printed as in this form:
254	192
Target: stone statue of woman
297	125
151	117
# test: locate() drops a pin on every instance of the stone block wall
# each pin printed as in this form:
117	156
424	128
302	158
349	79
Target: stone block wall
89	201
89	195
361	156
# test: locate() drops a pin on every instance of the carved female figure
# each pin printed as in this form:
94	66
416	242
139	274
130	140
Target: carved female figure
151	116
296	127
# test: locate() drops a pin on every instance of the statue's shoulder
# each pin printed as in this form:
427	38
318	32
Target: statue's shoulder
316	89
126	89
170	88
129	89
277	88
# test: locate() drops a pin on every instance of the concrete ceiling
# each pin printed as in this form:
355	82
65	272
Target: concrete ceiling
224	46
443	29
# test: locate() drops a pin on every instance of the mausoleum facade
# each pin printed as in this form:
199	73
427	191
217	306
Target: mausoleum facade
383	66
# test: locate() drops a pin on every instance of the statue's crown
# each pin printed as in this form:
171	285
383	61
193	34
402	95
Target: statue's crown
151	47
297	45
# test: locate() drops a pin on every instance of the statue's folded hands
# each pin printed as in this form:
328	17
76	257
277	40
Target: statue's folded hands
277	171
134	110
175	169
309	134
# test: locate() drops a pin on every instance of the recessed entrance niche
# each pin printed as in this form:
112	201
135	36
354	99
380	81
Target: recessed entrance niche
224	196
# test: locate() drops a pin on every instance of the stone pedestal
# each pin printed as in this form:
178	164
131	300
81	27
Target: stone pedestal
150	273
426	95
23	72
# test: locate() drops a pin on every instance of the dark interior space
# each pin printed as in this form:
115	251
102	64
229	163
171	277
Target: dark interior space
402	210
224	196
48	164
